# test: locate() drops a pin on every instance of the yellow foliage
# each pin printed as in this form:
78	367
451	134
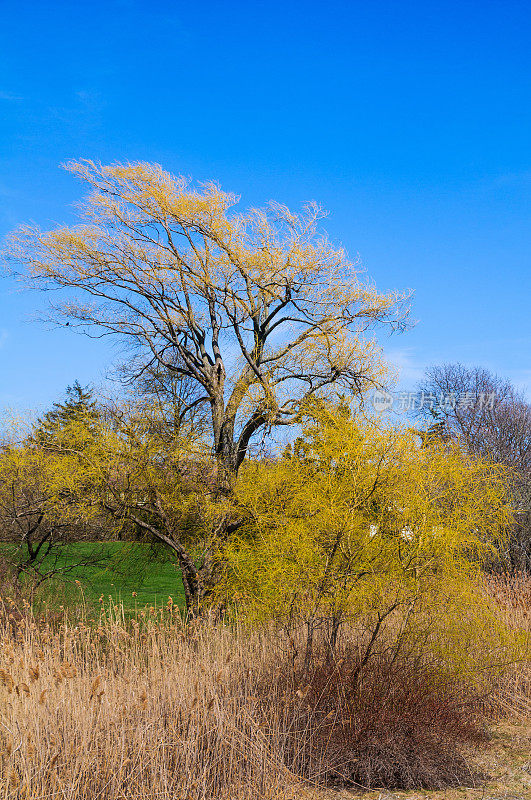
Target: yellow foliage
116	467
360	519
259	309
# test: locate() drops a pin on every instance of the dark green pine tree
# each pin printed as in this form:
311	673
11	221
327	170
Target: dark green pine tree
79	406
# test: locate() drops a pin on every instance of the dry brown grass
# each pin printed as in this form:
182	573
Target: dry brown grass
152	708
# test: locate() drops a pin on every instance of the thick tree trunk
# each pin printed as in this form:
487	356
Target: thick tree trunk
224	449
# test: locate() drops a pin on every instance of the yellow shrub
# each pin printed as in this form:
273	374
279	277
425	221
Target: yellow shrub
362	522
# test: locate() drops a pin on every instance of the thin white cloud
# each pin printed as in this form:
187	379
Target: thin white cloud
9	96
410	371
3	337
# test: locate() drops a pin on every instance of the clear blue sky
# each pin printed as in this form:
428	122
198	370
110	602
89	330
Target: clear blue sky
409	121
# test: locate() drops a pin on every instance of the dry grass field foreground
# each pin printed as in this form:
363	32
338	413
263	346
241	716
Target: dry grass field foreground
142	708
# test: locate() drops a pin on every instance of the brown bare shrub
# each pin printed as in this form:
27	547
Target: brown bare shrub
392	722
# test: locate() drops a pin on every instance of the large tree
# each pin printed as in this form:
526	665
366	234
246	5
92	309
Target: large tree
487	414
258	309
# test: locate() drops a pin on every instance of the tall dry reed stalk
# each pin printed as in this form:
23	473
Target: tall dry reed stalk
512	595
147	710
151	707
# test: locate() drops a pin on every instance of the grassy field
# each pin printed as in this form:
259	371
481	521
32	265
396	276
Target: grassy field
132	573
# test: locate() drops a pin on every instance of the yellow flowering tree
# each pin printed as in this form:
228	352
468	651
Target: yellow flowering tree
120	471
163	487
359	519
254	310
43	490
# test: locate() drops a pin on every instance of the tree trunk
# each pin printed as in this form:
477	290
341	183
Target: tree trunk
224	447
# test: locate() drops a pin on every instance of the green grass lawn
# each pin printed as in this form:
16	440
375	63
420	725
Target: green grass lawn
120	569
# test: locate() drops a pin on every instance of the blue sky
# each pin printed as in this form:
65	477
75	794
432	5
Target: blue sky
409	121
